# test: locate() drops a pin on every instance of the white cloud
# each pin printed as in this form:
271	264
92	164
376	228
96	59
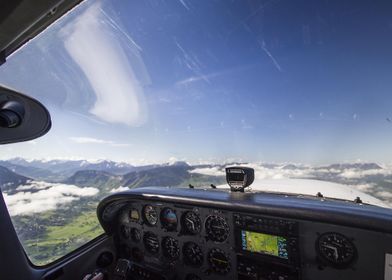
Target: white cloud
309	180
96	45
119	189
363	187
91	140
43	196
262	172
173	159
385	195
358	173
210	171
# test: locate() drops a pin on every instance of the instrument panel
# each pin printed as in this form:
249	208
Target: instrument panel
183	240
196	241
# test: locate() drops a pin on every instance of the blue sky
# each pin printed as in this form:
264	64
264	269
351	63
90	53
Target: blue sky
149	81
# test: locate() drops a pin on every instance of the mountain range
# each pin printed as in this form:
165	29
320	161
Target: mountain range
58	170
107	174
104	175
10	180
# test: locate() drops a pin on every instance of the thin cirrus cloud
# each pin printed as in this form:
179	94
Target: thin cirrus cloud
91	140
96	46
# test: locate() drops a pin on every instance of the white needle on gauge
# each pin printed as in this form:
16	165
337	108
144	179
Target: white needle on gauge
335	250
192	223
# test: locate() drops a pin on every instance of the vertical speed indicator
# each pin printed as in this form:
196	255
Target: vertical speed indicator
191	223
336	249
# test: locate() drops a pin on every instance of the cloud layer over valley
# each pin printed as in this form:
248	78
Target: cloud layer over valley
36	197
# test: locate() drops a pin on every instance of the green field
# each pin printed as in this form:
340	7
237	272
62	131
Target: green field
59	240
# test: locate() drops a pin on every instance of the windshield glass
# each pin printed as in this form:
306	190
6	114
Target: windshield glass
169	93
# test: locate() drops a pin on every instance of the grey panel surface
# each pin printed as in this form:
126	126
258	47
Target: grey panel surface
371	247
371	244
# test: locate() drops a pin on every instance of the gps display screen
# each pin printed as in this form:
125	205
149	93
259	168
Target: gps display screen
264	244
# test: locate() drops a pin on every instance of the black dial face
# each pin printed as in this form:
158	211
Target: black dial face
217	228
219	262
151	242
170	248
336	249
169	219
125	231
193	254
191	223
150	215
136	235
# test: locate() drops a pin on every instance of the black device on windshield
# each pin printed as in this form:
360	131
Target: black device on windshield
239	177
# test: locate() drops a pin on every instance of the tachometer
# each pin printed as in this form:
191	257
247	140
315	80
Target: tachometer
169	219
193	254
336	249
219	262
150	215
217	228
151	242
170	248
191	223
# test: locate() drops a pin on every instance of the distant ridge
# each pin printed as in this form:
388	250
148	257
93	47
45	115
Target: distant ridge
10	180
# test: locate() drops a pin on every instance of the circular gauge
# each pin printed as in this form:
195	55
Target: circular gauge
217	228
136	235
169	219
170	248
192	277
151	242
150	215
125	232
336	249
191	222
218	260
134	215
193	254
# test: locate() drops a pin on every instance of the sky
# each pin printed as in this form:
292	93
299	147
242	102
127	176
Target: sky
267	81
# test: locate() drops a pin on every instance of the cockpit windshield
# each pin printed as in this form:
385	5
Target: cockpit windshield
169	93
